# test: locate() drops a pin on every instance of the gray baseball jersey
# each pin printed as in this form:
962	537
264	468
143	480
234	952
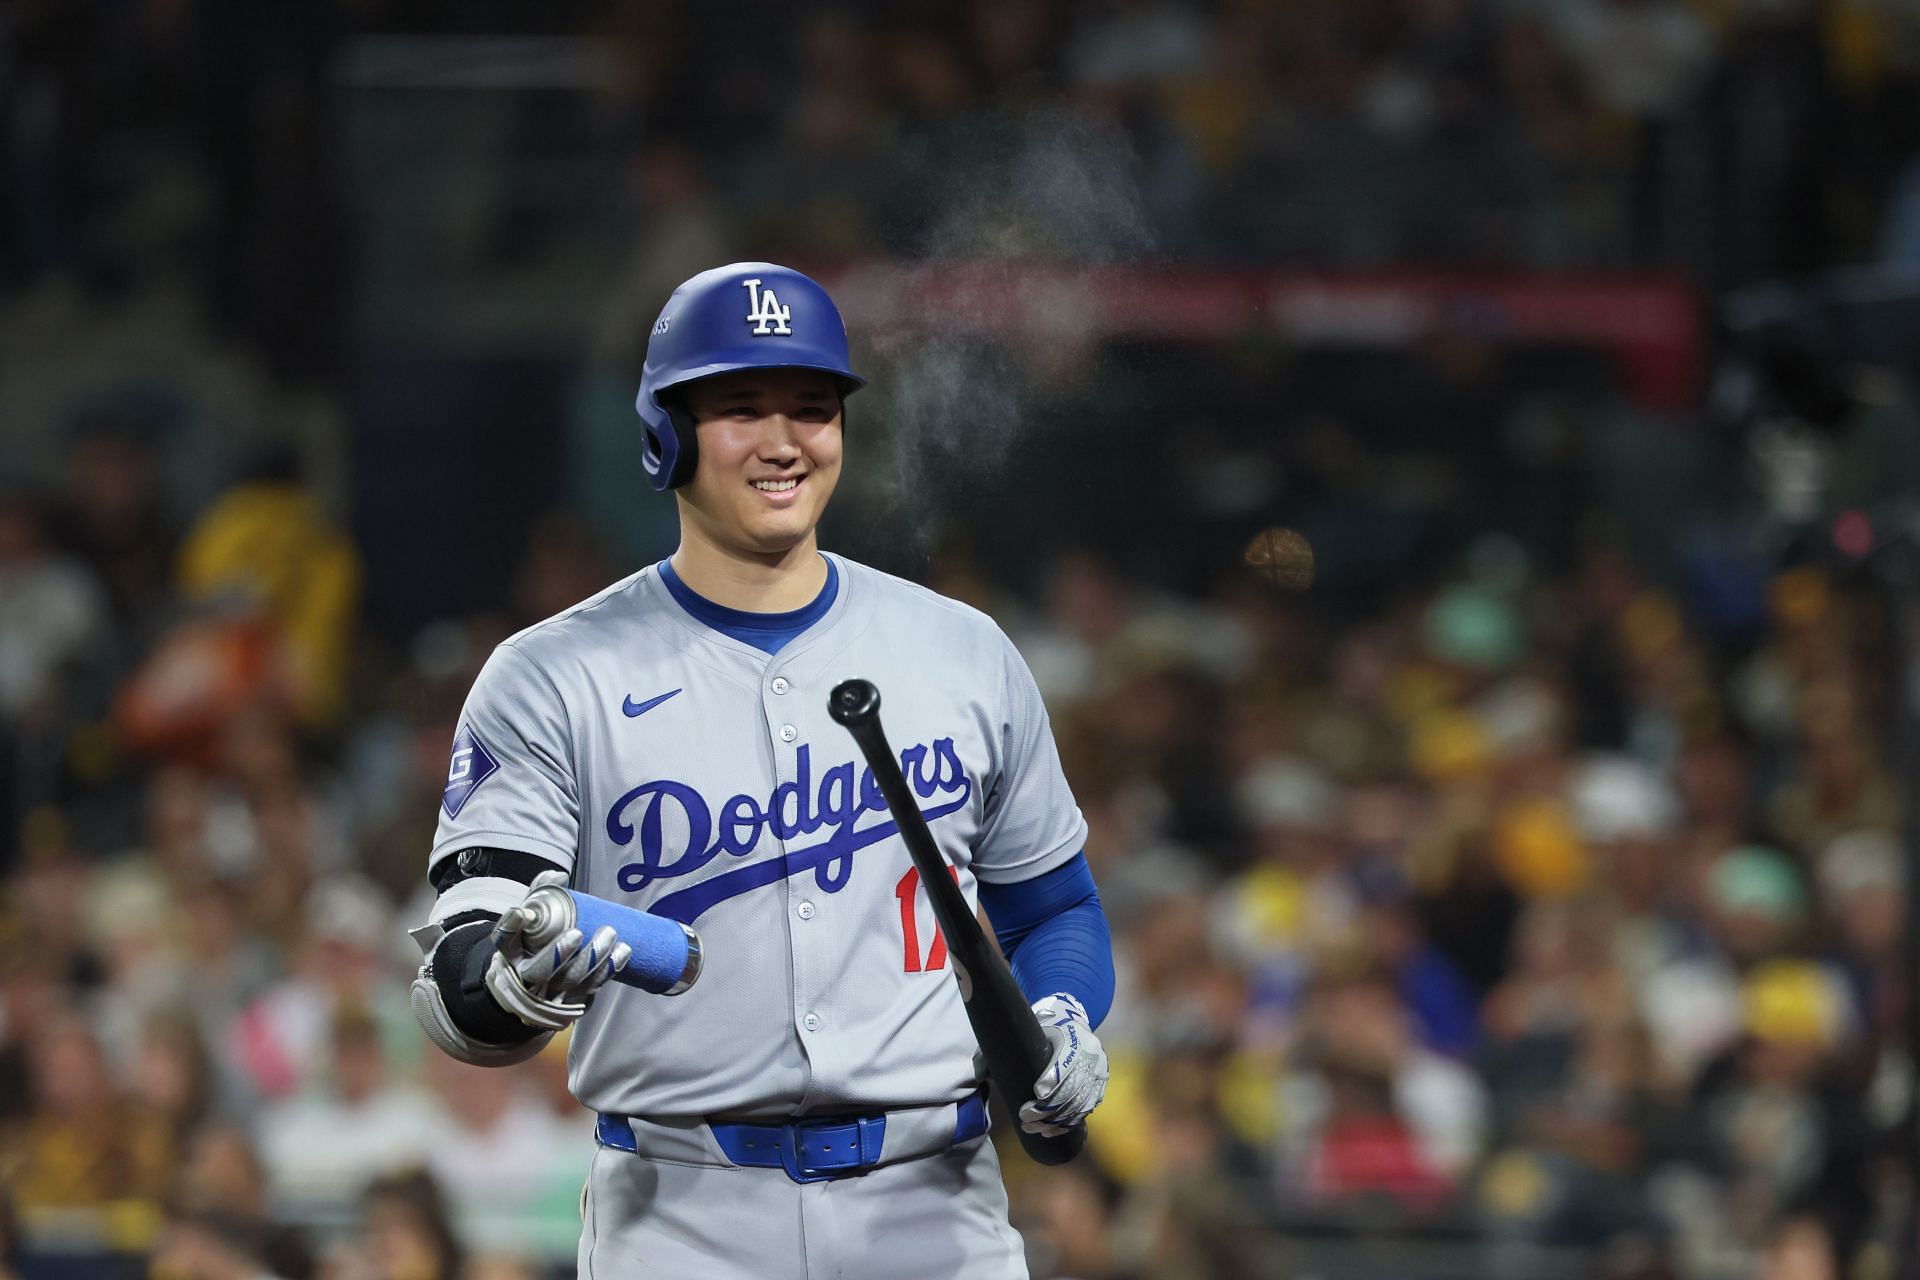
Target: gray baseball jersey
676	769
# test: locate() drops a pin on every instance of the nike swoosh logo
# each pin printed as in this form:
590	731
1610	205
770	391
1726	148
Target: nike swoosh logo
633	708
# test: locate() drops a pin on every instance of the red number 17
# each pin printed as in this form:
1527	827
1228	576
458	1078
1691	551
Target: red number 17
908	891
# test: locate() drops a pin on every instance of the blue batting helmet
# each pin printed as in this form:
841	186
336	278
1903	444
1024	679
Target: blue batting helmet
746	315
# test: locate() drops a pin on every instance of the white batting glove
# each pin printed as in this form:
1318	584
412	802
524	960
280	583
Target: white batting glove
1076	1079
549	987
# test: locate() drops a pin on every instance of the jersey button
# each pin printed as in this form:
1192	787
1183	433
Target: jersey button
804	911
811	1022
780	684
788	733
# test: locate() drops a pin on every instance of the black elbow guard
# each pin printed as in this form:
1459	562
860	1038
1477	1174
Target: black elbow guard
459	970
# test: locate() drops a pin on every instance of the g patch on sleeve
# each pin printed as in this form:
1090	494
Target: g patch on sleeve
472	765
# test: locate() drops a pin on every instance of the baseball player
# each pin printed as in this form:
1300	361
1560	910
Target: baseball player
812	1105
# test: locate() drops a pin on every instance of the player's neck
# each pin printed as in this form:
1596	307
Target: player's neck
754	583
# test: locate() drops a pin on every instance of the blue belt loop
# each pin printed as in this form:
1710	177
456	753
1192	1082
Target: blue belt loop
615	1132
872	1137
970	1120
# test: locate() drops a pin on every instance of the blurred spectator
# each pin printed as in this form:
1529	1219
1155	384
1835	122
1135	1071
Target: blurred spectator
217	1245
1862	879
1638	57
77	1168
133	934
228	965
170	1087
344	968
114	517
406	1234
1779	1131
1200	1211
1469	910
1177	985
1585	1132
324	1147
51	613
1373	1114
1086	605
49	965
1559	980
266	547
220	1169
296	883
10	1249
1801	1250
55	652
222	1183
1753	907
1442	1004
1841	787
1067	1219
203	678
1295	903
511	1170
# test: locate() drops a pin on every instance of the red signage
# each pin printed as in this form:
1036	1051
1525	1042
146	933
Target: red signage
1652	324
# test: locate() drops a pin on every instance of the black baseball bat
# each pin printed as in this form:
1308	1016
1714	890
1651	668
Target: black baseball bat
1016	1048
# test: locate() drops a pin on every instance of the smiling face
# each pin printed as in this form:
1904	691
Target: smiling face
769	459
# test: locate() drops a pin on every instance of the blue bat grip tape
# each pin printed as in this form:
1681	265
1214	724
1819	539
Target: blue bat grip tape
659	944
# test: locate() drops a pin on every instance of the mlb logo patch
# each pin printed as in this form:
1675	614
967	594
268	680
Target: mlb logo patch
472	765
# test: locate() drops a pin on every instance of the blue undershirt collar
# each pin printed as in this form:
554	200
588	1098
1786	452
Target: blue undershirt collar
767	632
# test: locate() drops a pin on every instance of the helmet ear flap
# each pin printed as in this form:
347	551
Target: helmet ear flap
687	434
651	451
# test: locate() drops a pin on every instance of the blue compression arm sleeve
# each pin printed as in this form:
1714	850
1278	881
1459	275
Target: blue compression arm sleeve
1053	930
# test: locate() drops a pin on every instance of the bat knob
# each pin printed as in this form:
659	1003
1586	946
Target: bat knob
853	701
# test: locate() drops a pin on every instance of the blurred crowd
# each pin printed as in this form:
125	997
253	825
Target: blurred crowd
1536	133
217	798
1522	909
1535	898
1739	139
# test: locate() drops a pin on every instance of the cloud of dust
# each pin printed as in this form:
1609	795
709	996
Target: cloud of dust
1062	190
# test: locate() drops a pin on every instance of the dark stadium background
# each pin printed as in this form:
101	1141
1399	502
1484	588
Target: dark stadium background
1521	897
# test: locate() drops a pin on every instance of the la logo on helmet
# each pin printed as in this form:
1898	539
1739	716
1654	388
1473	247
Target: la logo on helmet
764	312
